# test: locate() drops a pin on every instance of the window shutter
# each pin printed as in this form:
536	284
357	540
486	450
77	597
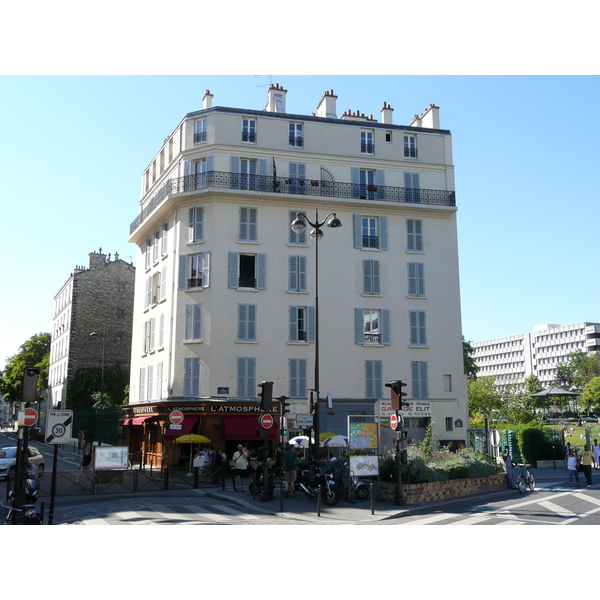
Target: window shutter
161	332
311	333
380	182
163	284
235	170
182	283
357	231
385	327
293	273
376	278
368	277
359	326
142	390
261	272
383	233
206	269
293	323
233	269
355	180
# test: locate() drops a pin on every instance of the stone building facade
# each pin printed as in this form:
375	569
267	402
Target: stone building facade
97	299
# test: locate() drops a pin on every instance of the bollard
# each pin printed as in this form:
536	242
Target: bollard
372	498
281	496
319	501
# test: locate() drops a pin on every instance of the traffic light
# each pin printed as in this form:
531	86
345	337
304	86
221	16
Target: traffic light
266	395
285	406
396	393
310	396
30	379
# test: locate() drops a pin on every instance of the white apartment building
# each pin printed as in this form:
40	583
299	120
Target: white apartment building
511	360
225	290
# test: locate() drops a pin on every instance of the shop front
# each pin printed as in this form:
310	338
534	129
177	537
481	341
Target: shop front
152	429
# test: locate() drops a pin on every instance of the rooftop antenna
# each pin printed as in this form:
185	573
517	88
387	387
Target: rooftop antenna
265	85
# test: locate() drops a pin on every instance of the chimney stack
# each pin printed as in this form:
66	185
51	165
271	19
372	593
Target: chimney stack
326	107
386	114
207	100
431	117
276	101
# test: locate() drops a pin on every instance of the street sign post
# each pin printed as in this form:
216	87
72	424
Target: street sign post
59	425
30	417
393	421
176	417
266	421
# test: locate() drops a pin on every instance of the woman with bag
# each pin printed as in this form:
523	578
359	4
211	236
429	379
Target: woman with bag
240	466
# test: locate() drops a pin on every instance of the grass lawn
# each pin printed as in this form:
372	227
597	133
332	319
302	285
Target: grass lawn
575	433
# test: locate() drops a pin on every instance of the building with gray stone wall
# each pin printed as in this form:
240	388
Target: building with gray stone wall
97	299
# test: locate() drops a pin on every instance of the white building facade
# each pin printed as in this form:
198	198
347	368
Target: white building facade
511	360
225	290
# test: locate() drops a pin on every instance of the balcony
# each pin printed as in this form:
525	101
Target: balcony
212	180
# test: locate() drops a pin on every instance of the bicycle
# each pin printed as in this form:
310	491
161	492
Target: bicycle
27	515
525	480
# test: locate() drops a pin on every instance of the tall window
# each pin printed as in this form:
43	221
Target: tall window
297	173
249	130
371	279
196	224
191	377
420	389
297	378
416	279
200	135
247	271
164	246
302	324
366	142
414	235
372	326
246	378
412	185
370	232
296	238
297	274
410	146
246	323
418	336
373	379
248	224
296	135
193	322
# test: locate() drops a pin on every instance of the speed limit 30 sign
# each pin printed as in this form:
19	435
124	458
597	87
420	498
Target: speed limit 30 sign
59	425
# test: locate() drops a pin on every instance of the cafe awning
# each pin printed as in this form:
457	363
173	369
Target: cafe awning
134	420
245	428
187	425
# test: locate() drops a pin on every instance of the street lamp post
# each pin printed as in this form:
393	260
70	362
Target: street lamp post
103	336
298	226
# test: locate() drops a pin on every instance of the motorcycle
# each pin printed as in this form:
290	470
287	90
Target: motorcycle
310	485
27	514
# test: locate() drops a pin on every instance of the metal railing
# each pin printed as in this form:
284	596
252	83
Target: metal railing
288	185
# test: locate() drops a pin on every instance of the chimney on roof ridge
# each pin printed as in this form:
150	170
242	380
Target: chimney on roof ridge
276	99
326	107
207	100
386	114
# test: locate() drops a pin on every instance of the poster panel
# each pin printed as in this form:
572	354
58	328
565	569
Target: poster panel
364	466
363	436
107	458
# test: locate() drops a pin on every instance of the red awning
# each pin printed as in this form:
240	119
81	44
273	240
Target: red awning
246	428
124	421
186	427
139	420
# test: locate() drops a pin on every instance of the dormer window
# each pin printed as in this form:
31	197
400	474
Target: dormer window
249	131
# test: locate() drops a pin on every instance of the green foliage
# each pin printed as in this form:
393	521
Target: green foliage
87	382
470	367
591	394
534	441
35	352
483	397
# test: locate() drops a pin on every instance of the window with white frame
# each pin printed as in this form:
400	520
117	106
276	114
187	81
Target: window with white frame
302	324
249	173
297	274
414	235
248	224
200	135
296	137
366	142
418	334
410	146
373	379
246	323
194	270
193	322
298	387
191	377
368	184
372	326
249	130
420	387
297	178
371	278
246	378
149	335
370	232
412	187
196	224
416	279
247	271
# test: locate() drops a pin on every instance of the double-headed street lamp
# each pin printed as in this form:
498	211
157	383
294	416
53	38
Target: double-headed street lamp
103	336
298	226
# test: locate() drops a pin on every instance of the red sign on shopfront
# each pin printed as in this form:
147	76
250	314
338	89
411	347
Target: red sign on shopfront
176	417
266	421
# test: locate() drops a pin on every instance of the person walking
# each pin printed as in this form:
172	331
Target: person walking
571	465
290	460
212	461
587	458
596	449
508	468
240	467
86	461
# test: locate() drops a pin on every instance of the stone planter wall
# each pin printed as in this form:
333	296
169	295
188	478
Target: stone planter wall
419	493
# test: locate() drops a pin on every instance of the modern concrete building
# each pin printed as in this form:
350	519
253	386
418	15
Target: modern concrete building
511	360
98	299
225	290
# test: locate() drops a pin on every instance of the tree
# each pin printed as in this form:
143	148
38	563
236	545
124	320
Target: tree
580	369
470	368
591	394
483	397
35	352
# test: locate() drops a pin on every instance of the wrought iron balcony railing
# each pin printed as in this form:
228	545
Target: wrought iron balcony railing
284	185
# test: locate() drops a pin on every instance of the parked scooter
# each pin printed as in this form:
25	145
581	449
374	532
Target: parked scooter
310	485
27	514
359	488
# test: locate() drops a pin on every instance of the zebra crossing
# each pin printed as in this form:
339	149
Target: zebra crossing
562	508
169	514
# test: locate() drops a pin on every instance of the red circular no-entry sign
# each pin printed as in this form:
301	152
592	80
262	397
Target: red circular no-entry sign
31	417
394	421
266	421
176	417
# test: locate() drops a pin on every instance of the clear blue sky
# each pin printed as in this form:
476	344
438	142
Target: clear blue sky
525	153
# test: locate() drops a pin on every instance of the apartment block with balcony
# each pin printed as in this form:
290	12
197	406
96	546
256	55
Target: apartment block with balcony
511	360
225	290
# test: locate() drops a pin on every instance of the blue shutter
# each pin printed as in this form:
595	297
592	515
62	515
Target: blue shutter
261	272
293	323
182	285
383	233
385	327
355	180
357	219
293	273
359	326
312	325
380	182
233	269
376	278
206	269
235	171
368	277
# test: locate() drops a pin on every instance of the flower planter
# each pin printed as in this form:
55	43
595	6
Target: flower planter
419	493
